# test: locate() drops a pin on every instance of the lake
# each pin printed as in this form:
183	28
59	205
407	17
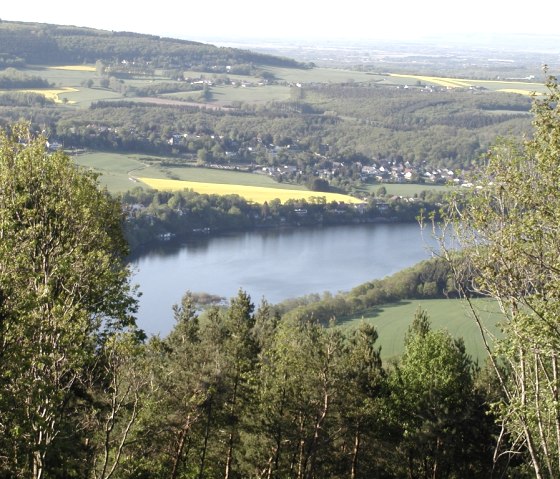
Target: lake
275	265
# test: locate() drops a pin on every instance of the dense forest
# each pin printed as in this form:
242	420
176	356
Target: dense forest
37	43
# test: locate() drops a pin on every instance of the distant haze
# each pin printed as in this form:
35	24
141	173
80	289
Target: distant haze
291	19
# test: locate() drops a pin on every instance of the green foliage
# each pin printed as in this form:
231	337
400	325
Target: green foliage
392	321
64	290
437	406
23	99
242	394
319	184
508	226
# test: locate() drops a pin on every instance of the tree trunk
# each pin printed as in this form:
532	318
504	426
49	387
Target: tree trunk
555	397
528	435
355	452
229	455
206	435
278	438
318	424
38	462
179	452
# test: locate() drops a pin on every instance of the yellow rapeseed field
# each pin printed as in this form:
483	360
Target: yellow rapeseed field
524	87
446	82
515	90
51	93
257	194
75	68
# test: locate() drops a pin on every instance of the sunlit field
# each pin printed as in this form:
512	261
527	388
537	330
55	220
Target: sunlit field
393	320
74	68
256	194
515	90
440	81
49	93
507	86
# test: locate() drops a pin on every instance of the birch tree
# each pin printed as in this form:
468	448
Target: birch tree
64	289
508	228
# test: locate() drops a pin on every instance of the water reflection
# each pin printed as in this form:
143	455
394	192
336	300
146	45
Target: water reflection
275	264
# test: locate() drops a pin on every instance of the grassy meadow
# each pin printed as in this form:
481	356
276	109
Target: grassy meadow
251	94
393	320
69	84
115	169
231	177
118	171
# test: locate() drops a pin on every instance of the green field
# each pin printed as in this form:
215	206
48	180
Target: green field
228	177
250	94
75	76
393	320
116	170
60	76
84	97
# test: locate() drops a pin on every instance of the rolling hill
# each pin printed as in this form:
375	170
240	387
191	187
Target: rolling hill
24	43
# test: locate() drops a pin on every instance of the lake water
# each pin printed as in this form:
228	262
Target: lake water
275	265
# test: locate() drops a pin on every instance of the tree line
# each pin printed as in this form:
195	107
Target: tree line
429	279
12	78
151	214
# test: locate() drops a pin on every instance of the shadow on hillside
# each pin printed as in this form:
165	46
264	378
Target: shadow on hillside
370	313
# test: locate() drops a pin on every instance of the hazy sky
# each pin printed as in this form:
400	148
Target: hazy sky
207	19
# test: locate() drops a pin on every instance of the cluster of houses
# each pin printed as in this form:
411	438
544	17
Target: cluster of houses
236	155
202	81
393	172
381	171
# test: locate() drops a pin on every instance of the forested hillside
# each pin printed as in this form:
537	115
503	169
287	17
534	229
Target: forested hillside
37	43
357	125
200	104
